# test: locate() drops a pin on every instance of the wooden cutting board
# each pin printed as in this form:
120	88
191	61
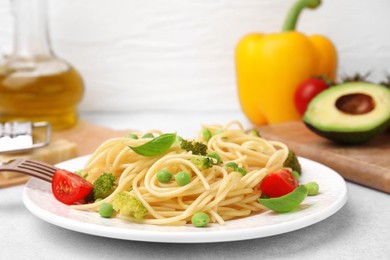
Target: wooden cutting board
367	164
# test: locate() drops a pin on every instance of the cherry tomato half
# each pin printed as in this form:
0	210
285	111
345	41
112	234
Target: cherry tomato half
278	183
68	187
306	91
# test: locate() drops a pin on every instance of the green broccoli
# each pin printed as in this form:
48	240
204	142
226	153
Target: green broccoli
197	148
253	132
292	162
104	186
202	163
128	205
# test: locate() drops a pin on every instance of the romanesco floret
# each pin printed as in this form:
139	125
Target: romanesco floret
195	147
128	205
103	186
292	162
201	162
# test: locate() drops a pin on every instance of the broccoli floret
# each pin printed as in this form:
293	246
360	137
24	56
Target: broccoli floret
201	162
103	186
128	205
292	162
195	147
254	132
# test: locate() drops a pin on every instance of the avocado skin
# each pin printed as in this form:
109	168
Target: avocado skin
350	138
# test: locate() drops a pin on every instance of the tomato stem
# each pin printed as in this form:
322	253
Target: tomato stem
293	15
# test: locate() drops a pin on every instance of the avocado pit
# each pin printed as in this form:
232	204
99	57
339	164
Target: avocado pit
355	104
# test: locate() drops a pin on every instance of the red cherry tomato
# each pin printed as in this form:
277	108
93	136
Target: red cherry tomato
278	183
68	187
306	91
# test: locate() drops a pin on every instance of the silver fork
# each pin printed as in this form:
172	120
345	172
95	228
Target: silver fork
41	170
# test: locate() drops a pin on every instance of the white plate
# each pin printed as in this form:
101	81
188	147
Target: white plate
38	198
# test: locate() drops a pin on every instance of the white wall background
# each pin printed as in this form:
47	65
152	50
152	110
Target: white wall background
147	55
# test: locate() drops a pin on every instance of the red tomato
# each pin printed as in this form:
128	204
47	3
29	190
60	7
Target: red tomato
278	183
68	187
306	91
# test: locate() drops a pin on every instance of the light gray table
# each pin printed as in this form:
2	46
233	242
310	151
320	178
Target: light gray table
360	230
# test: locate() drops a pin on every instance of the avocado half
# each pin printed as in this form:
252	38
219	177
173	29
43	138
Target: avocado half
351	113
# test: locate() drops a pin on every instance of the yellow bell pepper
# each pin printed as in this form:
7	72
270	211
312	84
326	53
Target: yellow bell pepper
271	66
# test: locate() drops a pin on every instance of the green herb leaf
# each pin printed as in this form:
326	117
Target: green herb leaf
287	202
156	146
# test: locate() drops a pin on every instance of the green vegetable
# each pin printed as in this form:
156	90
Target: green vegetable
241	170
164	176
200	219
296	175
201	162
106	210
128	205
182	178
287	202
206	134
292	162
156	146
179	139
148	135
312	188
103	186
232	165
235	168
195	147
254	132
98	199
132	136
215	156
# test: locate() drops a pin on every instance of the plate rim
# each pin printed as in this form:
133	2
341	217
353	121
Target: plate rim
192	236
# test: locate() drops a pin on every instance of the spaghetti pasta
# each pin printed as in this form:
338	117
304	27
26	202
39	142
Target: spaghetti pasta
222	192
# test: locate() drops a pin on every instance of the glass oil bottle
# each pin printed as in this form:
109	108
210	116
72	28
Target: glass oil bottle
35	85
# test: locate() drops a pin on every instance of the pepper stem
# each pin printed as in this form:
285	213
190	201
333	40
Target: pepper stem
292	16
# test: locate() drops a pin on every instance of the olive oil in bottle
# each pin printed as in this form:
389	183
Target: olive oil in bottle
35	85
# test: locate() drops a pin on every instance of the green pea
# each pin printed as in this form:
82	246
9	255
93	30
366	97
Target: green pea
206	134
98	199
312	188
241	170
164	176
182	178
106	210
148	135
132	136
215	156
200	219
232	165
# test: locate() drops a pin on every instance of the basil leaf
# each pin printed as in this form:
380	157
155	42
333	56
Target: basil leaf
287	202
156	146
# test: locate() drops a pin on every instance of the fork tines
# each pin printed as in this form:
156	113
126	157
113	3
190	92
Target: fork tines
33	168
